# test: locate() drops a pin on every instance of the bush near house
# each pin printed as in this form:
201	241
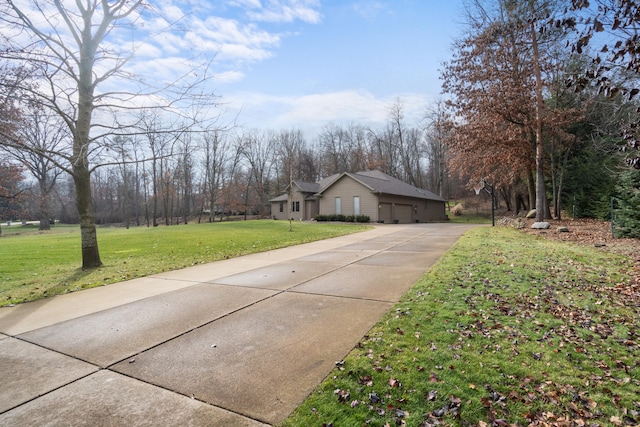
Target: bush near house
343	218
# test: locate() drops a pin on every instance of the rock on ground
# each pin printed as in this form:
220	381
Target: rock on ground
540	225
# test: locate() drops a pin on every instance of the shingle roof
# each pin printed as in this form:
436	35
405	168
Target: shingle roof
307	187
281	198
379	182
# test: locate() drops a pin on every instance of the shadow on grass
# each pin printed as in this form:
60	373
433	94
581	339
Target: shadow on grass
69	283
15	314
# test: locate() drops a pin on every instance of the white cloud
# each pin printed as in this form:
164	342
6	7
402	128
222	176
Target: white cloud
285	11
232	41
254	4
148	50
229	77
312	112
225	39
208	31
369	9
163	70
351	105
171	12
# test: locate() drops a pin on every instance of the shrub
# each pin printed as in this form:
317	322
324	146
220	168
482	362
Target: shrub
362	218
457	210
342	218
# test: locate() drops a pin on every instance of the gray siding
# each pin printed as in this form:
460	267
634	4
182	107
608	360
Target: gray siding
275	210
310	209
435	210
297	197
346	188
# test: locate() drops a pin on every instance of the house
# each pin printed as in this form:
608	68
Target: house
372	193
304	203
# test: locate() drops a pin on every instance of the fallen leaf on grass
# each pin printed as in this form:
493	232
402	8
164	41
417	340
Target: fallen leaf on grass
343	395
394	383
366	380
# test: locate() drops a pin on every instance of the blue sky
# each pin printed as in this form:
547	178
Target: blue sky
302	64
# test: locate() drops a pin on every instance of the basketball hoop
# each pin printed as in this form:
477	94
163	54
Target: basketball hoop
483	186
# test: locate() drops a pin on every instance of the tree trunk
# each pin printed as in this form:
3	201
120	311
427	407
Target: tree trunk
154	212
531	188
84	202
558	205
44	207
506	196
80	161
540	189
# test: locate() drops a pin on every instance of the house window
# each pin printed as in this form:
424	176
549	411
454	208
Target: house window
356	205
295	206
281	206
338	205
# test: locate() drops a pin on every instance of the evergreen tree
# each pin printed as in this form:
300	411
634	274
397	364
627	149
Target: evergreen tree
627	204
590	183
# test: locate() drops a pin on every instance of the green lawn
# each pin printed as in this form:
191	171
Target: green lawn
37	264
506	329
471	218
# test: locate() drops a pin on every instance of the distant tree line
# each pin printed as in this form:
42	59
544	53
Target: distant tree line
161	177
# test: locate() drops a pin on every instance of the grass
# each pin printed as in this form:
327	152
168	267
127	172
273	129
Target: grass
470	218
506	329
36	264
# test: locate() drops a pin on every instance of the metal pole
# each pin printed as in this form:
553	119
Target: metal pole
613	233
493	208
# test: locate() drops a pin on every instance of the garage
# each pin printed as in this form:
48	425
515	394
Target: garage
403	214
385	213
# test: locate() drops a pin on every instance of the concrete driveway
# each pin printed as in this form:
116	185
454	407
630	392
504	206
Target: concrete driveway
240	342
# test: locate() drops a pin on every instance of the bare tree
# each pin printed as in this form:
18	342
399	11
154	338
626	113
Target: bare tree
219	157
68	51
123	146
46	133
184	176
400	140
289	147
10	180
343	149
436	131
160	143
258	150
